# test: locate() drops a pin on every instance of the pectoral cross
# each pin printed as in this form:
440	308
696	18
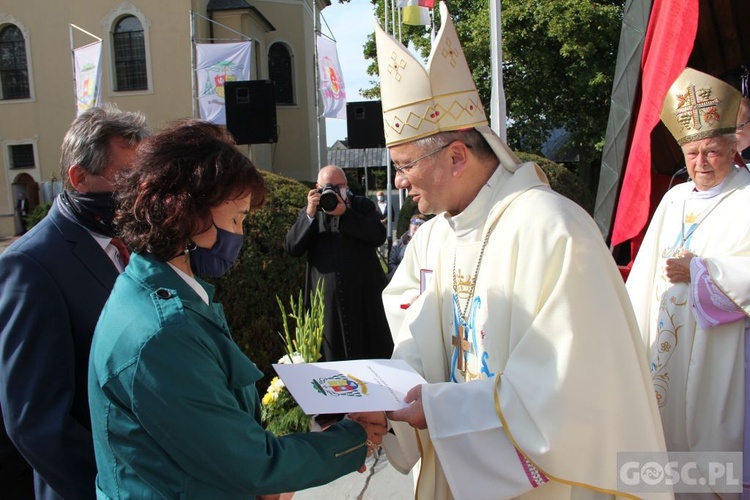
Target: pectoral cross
463	346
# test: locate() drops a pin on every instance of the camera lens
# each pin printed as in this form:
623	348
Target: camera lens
328	200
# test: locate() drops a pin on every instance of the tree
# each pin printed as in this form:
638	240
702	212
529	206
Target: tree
558	65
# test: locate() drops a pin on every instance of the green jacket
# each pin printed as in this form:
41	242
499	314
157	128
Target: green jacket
174	409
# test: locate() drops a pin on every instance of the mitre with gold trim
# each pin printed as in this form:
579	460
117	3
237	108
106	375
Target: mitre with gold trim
699	106
419	102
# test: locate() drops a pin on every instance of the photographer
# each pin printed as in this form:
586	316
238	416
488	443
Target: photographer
341	241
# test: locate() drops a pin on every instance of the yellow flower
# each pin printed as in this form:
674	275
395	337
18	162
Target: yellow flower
268	399
276	385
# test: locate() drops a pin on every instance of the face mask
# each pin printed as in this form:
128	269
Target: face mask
215	261
381	198
95	211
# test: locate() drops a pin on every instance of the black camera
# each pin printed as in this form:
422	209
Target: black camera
329	198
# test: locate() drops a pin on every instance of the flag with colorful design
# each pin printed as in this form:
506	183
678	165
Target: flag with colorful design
330	80
216	64
415	12
88	76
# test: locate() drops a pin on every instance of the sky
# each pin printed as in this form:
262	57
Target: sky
350	24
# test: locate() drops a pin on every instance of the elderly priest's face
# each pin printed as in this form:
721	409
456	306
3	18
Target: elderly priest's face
709	161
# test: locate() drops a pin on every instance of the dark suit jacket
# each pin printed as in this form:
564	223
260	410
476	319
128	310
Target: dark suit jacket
383	215
345	258
54	281
23	206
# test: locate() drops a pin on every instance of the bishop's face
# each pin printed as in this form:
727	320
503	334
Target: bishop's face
709	161
426	174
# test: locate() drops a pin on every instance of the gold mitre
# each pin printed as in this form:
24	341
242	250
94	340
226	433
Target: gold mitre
419	102
699	106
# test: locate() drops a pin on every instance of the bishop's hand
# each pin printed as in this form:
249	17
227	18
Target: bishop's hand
412	414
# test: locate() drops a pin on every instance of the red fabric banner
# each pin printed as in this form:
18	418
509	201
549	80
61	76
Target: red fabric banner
426	3
667	46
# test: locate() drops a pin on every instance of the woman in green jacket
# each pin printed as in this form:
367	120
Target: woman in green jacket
174	409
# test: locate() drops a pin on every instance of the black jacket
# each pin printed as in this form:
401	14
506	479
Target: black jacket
342	252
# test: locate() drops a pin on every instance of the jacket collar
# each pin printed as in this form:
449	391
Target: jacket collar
85	248
154	274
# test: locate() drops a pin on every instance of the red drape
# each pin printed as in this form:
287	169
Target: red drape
667	46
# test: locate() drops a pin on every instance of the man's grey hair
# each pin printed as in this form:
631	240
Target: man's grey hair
472	138
731	138
86	143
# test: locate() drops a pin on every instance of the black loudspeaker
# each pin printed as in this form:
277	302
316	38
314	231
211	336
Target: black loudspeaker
364	124
251	111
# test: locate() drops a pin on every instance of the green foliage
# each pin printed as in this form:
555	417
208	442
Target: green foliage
408	209
308	330
280	412
562	180
263	271
38	213
558	65
558	70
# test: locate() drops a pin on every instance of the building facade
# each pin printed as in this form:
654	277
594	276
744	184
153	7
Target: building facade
147	64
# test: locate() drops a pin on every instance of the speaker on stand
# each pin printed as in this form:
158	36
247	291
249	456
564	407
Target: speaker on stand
251	111
364	124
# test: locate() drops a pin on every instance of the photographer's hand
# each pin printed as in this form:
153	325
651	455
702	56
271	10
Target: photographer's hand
340	208
313	199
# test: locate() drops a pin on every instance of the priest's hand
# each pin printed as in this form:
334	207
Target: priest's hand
414	413
678	269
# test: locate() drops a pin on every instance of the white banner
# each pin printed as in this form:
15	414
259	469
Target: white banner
331	81
217	63
88	76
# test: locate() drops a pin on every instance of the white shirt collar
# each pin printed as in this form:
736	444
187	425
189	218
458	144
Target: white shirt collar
192	282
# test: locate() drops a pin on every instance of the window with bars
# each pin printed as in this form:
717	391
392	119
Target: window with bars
21	156
280	71
14	75
129	47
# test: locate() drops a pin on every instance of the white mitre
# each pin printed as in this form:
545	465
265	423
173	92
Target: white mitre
419	102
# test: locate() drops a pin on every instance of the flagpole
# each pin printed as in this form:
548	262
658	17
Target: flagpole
316	76
193	71
73	63
400	22
497	101
393	16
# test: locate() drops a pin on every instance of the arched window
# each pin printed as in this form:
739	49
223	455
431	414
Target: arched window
280	71
14	74
129	47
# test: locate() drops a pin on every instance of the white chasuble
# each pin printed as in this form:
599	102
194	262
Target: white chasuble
698	375
537	383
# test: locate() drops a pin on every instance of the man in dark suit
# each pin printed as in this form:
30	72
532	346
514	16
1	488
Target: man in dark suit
340	244
54	281
22	209
385	208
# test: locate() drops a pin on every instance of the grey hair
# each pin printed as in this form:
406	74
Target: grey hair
86	143
472	138
731	138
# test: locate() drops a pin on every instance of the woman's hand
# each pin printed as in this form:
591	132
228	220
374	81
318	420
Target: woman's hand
376	426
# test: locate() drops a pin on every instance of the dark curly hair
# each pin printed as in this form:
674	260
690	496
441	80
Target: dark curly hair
179	175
